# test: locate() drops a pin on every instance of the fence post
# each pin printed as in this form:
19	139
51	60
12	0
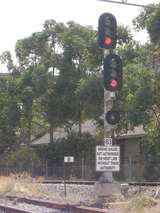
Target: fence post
46	170
7	169
130	167
32	168
82	176
64	179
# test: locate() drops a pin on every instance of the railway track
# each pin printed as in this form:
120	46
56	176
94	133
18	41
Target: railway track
83	182
144	183
134	183
80	182
48	207
16	204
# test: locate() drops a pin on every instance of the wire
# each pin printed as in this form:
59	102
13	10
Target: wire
129	4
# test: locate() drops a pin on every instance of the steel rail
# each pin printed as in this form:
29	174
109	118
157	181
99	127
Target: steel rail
9	209
129	4
47	204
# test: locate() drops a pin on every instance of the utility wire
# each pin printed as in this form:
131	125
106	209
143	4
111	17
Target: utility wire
129	4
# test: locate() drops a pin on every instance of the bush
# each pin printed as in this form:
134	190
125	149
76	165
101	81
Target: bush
23	154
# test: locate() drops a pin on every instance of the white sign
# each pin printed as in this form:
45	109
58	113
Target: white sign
68	159
108	141
107	158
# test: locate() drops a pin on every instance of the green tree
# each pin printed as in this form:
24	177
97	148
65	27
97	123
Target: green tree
149	19
32	84
9	113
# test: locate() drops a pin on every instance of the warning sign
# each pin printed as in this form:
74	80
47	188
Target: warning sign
107	158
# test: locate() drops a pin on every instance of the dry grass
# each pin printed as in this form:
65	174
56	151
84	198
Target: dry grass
20	183
141	204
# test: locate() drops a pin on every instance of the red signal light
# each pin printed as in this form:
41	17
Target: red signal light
114	83
108	40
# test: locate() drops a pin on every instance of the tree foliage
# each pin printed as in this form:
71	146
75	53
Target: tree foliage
149	19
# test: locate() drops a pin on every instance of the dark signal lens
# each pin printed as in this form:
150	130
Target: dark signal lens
112	117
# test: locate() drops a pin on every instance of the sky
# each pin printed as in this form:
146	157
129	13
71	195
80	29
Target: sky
20	18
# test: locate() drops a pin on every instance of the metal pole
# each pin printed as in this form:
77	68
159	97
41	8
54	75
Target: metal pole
108	102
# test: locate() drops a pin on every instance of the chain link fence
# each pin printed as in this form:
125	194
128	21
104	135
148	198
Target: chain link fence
130	170
55	170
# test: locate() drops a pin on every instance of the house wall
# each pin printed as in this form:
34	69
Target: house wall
130	169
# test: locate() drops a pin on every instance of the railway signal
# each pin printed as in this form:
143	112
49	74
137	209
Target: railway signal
107	31
112	72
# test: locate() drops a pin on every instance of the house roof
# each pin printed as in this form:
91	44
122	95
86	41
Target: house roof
59	133
90	127
3	74
135	133
45	139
